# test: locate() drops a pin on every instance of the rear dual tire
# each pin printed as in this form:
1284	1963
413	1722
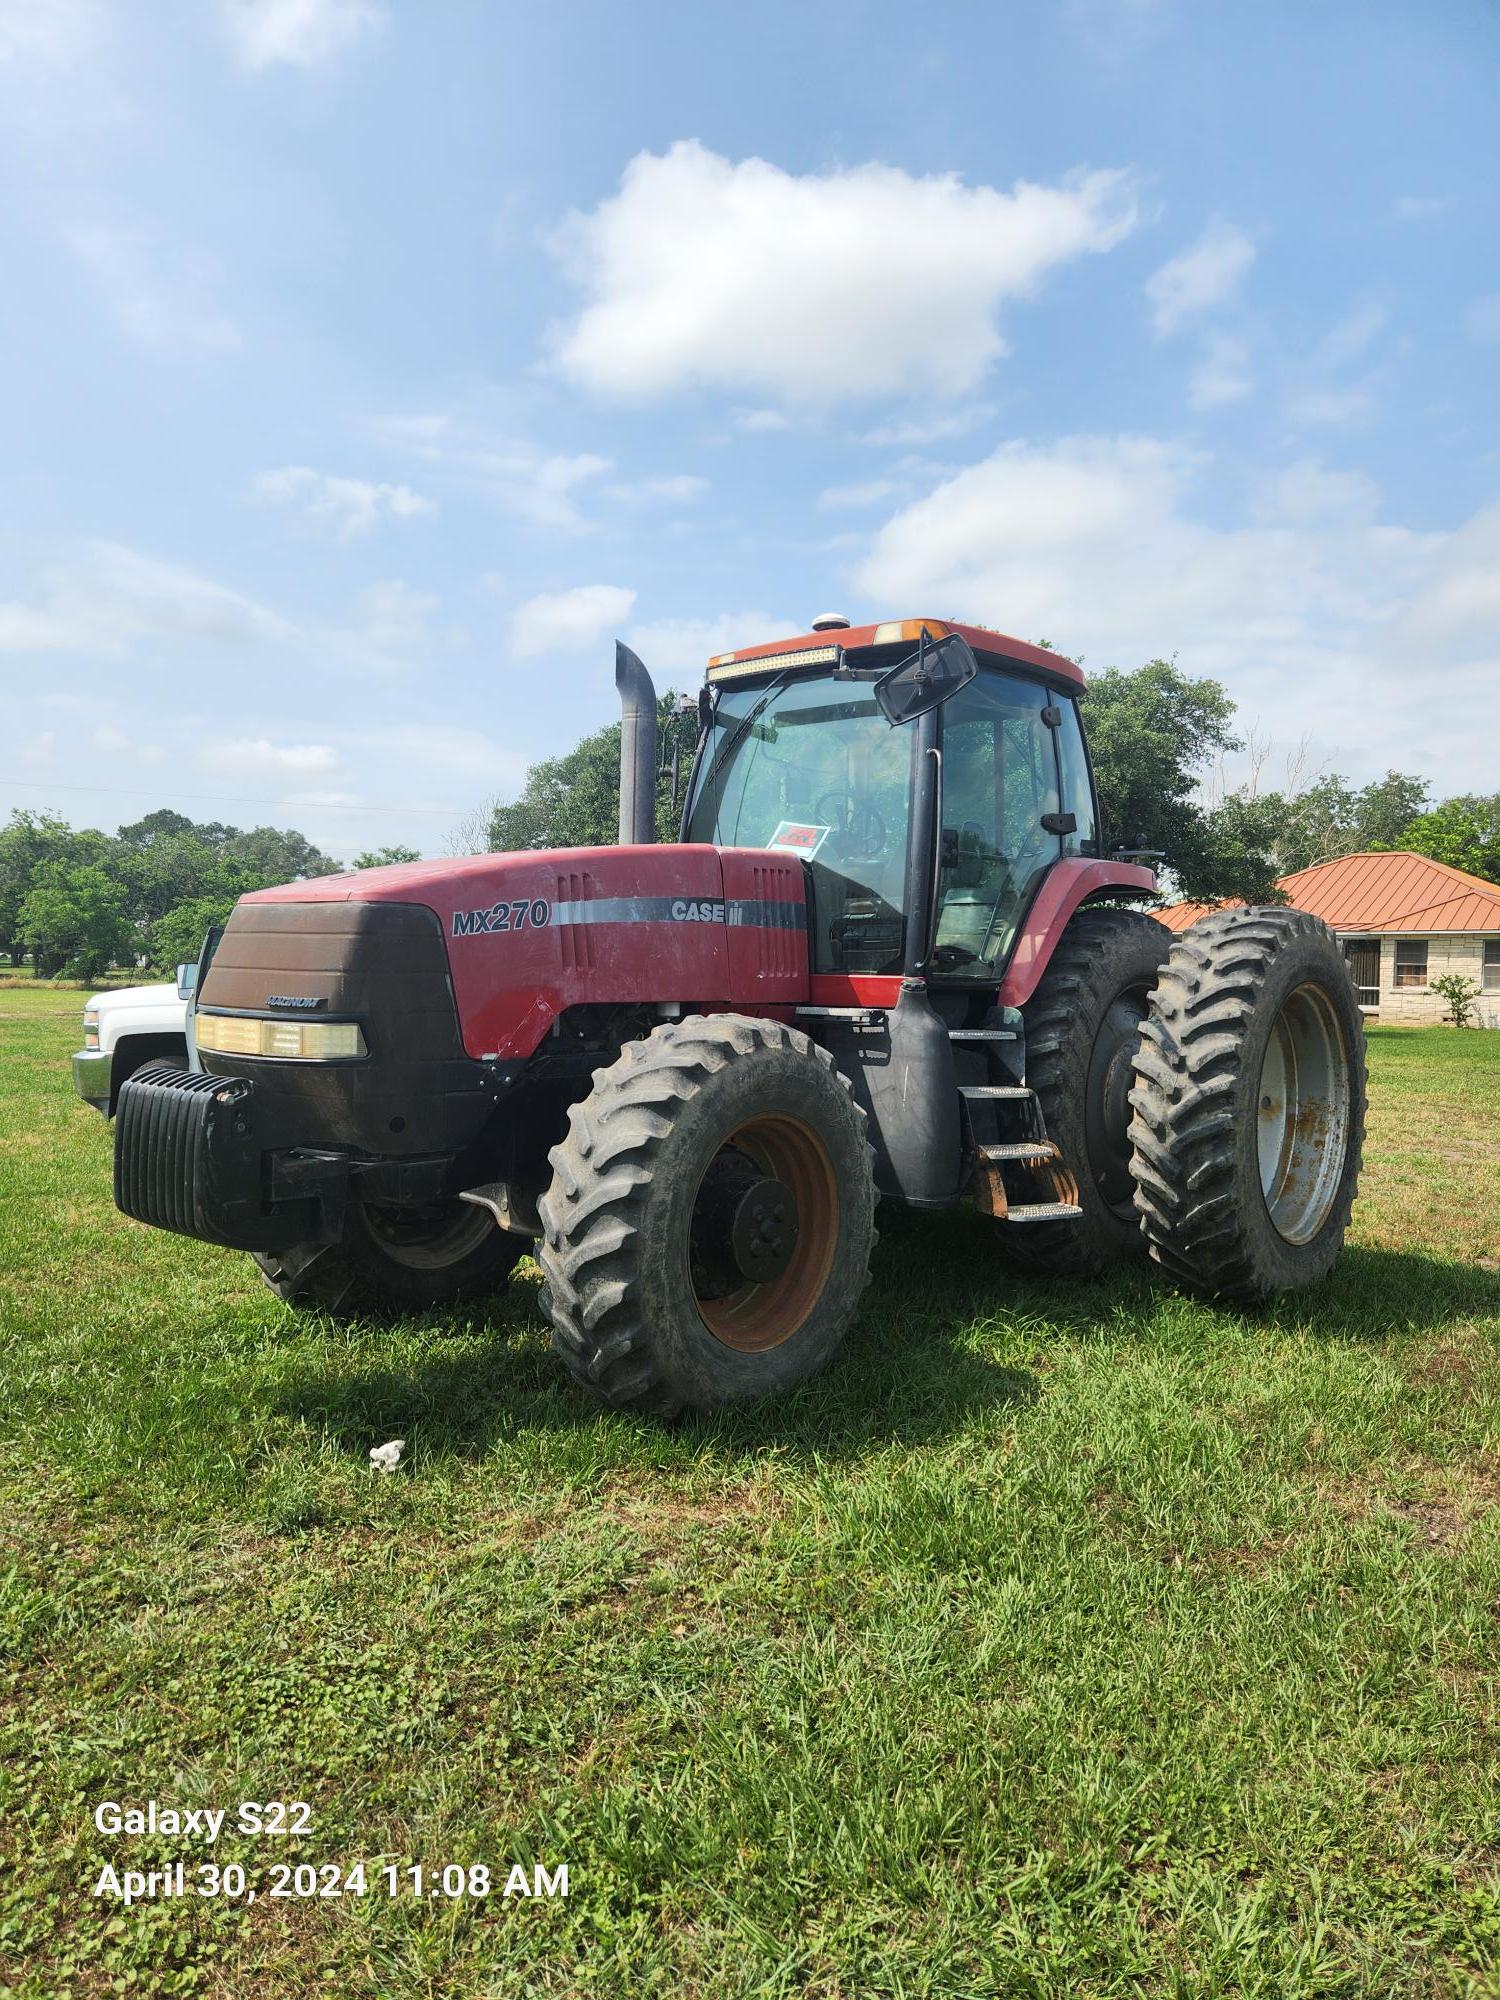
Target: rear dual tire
1249	1105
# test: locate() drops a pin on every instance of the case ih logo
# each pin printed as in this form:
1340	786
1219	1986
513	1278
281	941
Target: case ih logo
521	915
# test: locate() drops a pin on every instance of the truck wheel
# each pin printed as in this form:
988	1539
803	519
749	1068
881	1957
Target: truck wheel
710	1219
1082	1027
398	1260
1249	1105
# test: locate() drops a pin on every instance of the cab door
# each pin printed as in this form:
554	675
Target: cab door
1002	808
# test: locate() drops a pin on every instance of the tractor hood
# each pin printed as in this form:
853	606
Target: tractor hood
529	935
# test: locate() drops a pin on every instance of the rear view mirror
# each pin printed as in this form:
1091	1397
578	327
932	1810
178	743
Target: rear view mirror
187	979
938	668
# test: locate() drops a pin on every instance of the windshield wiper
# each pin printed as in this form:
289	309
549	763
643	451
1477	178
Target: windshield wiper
739	732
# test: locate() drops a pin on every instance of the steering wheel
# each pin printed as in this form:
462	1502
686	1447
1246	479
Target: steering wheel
859	827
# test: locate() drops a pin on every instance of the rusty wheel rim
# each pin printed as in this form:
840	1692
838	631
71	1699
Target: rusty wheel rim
1302	1114
768	1157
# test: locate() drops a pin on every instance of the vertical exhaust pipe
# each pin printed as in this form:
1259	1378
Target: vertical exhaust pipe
637	749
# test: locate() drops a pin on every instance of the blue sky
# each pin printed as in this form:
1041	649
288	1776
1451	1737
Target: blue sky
369	366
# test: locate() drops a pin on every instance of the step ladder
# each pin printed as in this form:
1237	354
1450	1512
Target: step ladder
1018	1102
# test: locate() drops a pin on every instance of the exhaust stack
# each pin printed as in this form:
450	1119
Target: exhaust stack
637	749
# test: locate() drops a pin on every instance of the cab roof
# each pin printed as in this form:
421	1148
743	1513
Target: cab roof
821	646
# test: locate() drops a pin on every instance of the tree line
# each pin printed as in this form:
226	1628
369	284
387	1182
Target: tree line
77	901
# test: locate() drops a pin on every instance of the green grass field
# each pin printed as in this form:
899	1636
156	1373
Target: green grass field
1063	1641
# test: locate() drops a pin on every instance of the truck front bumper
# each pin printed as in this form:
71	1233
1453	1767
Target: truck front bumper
197	1155
91	1069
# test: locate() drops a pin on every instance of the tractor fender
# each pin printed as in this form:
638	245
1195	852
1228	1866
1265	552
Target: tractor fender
1067	885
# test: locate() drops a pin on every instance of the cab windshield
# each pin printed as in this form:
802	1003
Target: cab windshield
820	774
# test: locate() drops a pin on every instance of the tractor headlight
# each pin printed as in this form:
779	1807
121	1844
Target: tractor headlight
289	1041
91	1027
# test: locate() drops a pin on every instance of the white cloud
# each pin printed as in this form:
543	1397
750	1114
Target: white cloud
1352	336
112	741
930	430
1321	618
686	645
258	754
392	627
110	597
25	629
864	281
1419	207
761	420
1482	320
1199	277
347	507
569	621
1457	611
672	487
300	33
1114	31
468	752
1331	407
162	299
538	485
865	494
1222	376
51	31
41	749
1307	491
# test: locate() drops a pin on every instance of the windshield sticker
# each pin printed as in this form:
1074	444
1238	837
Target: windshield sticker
790	838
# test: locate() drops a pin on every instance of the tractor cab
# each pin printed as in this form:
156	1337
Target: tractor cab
929	774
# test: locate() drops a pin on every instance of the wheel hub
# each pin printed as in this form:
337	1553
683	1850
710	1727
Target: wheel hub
763	1233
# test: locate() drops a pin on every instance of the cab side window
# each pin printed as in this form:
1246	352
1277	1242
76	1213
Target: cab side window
1077	787
1000	775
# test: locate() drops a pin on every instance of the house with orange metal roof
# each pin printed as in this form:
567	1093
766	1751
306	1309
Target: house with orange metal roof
1403	921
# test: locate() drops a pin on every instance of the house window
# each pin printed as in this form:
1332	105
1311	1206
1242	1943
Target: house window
1411	961
1490	976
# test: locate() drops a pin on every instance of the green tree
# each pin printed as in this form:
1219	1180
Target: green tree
1329	817
1152	734
1463	831
74	920
28	842
385	857
574	800
177	937
1387	807
277	854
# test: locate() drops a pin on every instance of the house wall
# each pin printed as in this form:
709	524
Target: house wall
1419	1006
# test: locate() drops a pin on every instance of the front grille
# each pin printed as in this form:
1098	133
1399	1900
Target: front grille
383	966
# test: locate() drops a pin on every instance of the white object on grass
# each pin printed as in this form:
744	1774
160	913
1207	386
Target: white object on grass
386	1457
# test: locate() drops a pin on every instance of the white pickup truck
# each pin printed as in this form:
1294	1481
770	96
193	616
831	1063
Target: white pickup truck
126	1028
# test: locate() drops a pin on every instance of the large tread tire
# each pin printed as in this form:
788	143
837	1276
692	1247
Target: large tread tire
1106	961
617	1217
1198	1096
360	1275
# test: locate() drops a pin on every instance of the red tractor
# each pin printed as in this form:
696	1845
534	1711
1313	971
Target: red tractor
888	957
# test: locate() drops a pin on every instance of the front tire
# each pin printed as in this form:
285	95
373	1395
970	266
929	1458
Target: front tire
1249	1105
394	1260
708	1229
